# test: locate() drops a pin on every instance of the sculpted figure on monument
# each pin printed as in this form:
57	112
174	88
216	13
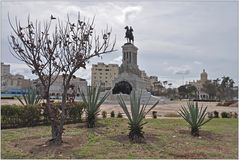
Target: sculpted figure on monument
129	34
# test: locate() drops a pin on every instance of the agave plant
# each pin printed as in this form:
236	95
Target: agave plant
93	102
30	97
136	116
194	116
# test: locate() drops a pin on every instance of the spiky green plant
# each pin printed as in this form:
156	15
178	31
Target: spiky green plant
136	116
194	116
29	98
93	101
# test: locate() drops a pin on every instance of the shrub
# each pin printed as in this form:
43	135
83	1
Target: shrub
24	116
19	116
112	114
229	115
74	111
7	97
235	115
224	115
194	116
10	115
119	115
210	114
93	101
136	116
216	114
154	114
31	115
104	114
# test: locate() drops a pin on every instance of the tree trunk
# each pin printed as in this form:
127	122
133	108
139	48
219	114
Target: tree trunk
55	130
62	116
56	133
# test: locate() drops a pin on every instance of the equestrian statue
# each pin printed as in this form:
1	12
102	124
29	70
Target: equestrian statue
129	34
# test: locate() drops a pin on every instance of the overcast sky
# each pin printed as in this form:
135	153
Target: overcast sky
176	39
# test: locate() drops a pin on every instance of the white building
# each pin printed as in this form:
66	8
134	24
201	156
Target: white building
78	84
12	82
199	85
56	89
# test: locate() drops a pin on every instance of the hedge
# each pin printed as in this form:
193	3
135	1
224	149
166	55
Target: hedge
13	116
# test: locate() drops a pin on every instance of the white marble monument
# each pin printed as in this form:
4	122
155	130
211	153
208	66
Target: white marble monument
129	70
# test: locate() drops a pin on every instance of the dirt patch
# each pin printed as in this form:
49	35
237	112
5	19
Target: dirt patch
184	155
123	138
203	134
84	125
39	147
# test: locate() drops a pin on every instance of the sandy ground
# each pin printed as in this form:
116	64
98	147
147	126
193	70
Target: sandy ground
173	107
162	109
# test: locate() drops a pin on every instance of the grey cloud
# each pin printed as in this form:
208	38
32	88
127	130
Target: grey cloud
180	70
197	62
131	12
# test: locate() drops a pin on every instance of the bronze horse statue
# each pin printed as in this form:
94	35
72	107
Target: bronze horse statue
129	34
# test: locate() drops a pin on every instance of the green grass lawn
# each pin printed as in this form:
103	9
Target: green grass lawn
165	138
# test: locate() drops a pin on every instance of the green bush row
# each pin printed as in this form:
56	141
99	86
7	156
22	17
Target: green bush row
7	97
215	114
24	116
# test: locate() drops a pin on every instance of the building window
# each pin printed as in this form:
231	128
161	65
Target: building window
107	70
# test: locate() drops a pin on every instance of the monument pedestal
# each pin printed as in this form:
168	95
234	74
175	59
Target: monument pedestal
129	72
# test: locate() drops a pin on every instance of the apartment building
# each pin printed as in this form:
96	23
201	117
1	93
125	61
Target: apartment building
103	74
146	79
12	82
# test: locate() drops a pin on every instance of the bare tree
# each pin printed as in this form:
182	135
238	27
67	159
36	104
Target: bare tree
64	51
33	44
78	46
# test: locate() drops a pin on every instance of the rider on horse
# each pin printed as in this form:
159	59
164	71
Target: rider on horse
129	34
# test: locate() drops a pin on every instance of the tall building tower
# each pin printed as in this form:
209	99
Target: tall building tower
203	76
5	69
